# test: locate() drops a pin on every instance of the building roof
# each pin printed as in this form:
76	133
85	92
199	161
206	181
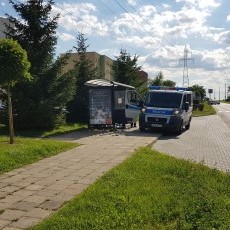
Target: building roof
105	83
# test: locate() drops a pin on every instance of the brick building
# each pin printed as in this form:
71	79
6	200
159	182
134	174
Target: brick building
102	63
2	26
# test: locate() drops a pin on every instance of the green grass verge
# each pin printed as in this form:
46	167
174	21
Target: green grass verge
25	151
150	190
227	102
208	110
63	129
71	127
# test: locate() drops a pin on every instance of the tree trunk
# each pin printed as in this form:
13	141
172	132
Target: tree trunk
10	116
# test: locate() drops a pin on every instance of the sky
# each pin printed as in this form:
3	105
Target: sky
157	31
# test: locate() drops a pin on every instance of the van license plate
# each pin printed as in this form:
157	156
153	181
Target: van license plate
157	125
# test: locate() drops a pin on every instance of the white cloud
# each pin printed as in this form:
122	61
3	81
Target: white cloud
150	29
80	17
223	37
210	67
218	58
202	4
65	36
166	6
127	24
158	37
132	2
147	22
228	18
147	11
218	35
179	24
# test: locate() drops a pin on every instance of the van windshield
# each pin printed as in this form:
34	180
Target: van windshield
163	99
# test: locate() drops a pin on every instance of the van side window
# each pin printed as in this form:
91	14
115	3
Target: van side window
184	99
132	97
189	99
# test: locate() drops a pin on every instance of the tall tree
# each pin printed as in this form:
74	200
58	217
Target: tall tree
159	81
83	71
126	69
169	83
14	68
36	102
199	91
36	33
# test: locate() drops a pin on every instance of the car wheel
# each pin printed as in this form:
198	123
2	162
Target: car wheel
187	126
142	129
180	130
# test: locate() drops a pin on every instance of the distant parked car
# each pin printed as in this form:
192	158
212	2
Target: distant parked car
214	102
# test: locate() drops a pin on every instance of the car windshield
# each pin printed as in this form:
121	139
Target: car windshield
163	99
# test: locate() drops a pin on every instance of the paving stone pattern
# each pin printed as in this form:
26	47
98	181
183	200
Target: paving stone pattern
32	193
206	142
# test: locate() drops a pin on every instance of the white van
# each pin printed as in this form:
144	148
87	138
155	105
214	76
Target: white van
168	109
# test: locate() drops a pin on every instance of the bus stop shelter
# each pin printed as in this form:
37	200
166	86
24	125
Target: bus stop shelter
110	104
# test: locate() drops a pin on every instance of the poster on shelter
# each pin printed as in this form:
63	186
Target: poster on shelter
100	108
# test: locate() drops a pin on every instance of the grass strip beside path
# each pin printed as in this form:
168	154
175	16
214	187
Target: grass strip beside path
208	110
26	151
150	190
63	129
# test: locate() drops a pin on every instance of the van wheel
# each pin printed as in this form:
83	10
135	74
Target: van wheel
180	130
142	129
187	126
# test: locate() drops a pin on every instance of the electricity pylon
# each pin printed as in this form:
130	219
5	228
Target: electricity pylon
185	71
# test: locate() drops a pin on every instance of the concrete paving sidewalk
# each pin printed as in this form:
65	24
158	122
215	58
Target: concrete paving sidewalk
32	193
207	142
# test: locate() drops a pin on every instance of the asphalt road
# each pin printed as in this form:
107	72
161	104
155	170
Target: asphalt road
207	141
224	112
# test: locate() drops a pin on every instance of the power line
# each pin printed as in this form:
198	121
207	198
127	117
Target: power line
148	23
122	43
137	22
93	29
151	35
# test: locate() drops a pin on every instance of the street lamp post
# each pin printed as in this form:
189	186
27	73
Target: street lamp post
219	93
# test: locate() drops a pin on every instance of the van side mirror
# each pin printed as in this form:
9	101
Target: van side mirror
140	103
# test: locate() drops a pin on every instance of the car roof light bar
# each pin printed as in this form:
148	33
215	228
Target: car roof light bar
156	87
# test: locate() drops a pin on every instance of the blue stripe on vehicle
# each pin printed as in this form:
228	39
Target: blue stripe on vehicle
133	107
159	111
